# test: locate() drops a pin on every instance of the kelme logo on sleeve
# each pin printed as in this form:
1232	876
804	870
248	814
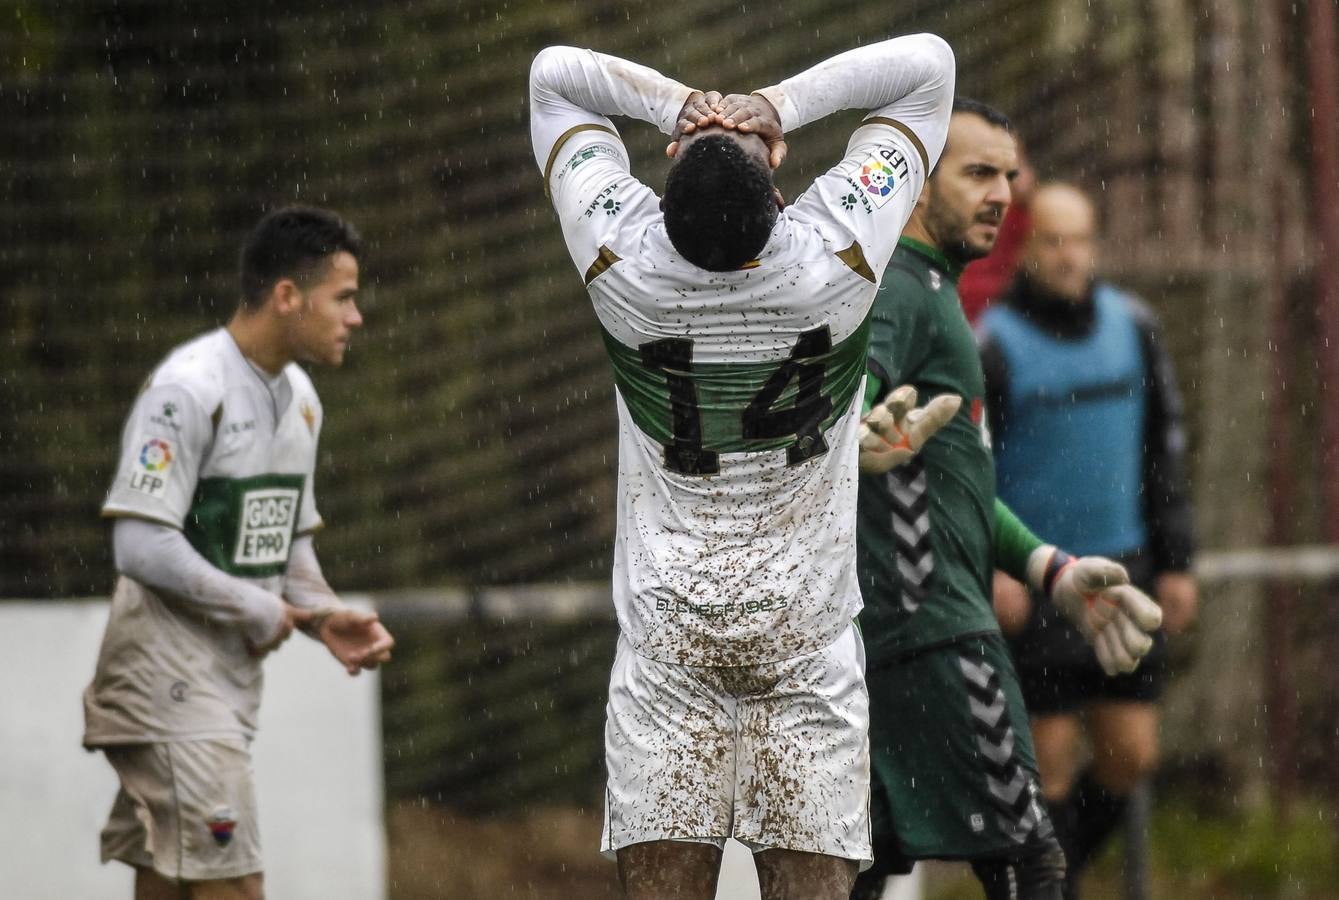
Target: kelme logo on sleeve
267	518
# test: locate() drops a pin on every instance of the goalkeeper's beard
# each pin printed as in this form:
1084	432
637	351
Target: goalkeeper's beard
960	251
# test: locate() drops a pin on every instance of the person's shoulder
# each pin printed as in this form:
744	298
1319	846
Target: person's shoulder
617	215
632	215
800	243
299	378
1131	304
301	382
996	329
907	279
999	314
199	366
989	319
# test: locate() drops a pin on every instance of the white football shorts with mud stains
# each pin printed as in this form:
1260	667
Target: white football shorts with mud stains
774	755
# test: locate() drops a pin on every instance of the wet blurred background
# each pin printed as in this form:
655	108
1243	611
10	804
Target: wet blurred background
467	463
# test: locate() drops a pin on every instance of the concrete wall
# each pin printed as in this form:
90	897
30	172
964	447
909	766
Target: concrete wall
317	757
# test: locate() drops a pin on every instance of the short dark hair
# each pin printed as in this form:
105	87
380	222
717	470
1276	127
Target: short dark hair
719	206
294	242
983	110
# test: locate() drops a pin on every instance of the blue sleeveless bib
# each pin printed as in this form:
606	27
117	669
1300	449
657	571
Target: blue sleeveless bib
1070	461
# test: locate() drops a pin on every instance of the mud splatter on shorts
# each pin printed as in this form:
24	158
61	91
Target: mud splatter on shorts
774	755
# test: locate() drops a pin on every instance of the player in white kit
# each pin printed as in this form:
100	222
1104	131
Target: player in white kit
737	331
214	515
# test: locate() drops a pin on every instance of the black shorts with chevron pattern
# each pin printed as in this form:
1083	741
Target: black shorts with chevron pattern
954	770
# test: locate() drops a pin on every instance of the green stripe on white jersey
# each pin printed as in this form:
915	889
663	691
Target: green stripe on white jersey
698	410
244	526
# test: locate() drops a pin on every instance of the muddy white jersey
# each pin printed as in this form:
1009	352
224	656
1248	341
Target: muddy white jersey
738	393
224	452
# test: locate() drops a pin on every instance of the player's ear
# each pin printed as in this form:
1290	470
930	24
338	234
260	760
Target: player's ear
286	297
924	199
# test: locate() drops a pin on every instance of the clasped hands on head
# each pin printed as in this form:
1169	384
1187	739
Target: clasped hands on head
744	113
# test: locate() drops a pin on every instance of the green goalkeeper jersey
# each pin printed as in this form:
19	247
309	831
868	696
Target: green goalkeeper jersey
926	530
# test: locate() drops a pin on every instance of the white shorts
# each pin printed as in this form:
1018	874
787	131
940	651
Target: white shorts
774	755
187	810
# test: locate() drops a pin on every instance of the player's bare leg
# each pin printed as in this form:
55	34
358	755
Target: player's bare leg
1087	806
795	875
1125	743
669	870
248	887
149	885
1056	738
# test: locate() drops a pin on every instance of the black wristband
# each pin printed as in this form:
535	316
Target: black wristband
1059	559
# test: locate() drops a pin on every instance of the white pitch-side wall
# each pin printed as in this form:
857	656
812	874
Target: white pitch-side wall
318	767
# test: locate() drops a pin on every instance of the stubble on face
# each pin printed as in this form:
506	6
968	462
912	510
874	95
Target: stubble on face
969	192
952	228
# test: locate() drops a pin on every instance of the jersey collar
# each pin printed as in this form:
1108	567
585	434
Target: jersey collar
932	254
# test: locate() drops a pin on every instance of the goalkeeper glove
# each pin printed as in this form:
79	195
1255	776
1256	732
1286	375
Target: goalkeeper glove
895	430
1094	593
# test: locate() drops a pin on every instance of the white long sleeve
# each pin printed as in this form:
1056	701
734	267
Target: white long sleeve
304	582
160	558
909	79
571	88
860	205
863	203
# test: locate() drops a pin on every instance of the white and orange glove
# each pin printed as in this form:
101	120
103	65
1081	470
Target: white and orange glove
896	429
1095	593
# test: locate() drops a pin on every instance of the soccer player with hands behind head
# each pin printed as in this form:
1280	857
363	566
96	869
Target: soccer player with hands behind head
737	328
214	515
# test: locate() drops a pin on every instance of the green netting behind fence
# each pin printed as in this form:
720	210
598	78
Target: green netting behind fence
470	435
490	715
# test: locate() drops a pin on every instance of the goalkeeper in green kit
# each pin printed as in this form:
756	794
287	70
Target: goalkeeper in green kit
954	772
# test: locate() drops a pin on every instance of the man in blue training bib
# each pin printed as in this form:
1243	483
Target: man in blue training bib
1089	450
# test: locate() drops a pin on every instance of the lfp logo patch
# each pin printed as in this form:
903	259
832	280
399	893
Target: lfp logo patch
222	823
883	173
878	179
154	458
156	455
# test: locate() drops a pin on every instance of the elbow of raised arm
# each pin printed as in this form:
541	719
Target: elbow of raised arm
547	63
940	59
940	50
